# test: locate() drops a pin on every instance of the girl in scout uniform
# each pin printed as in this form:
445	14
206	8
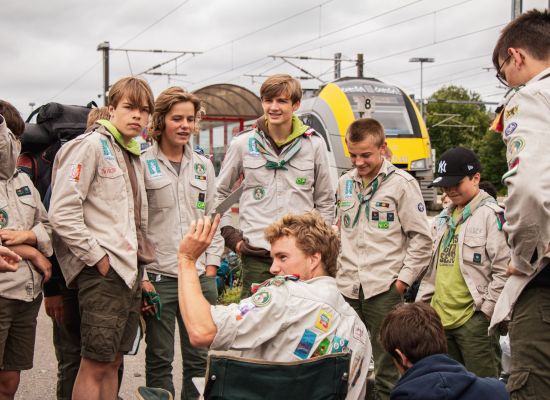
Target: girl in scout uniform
180	188
23	229
468	267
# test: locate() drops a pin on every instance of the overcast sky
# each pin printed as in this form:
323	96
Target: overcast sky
49	48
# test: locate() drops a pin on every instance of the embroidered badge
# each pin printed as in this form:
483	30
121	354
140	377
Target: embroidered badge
477	258
375	216
511	112
23	191
258	193
390	216
306	344
421	207
359	332
322	349
339	345
29	288
347	220
383	225
355	290
200	177
3	218
323	320
200	201
301	181
348	193
244	307
154	168
261	299
510	129
200	169
107	155
252	147
345	204
382	204
76	169
515	146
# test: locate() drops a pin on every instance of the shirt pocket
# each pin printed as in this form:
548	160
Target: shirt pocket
383	215
159	193
28	211
473	251
111	182
255	173
347	212
302	173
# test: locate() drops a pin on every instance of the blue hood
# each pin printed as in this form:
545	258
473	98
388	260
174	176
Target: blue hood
439	377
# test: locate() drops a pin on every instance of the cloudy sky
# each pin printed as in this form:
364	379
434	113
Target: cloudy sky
49	48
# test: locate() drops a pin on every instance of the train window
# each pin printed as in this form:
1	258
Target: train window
314	122
396	121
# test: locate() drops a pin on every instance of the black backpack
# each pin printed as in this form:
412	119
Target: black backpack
55	125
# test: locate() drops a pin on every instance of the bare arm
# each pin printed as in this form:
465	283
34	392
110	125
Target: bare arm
194	307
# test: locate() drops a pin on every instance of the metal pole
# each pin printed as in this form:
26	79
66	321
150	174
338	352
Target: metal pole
517	7
104	47
337	63
360	65
421	93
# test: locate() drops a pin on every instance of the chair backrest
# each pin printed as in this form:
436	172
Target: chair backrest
236	378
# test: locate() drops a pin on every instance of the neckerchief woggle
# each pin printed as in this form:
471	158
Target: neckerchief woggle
452	223
364	198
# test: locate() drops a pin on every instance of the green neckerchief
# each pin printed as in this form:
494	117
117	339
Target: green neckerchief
273	162
132	146
298	129
365	197
481	198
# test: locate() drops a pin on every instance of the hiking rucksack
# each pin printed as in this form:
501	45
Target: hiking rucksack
55	125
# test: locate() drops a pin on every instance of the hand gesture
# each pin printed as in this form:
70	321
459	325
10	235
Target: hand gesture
198	238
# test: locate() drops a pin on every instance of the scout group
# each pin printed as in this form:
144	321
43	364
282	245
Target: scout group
129	228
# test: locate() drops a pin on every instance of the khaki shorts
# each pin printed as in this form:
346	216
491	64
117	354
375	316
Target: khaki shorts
17	333
110	313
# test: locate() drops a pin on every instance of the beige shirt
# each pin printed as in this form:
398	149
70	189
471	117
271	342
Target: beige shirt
483	257
270	194
526	126
20	209
175	199
92	206
295	321
392	243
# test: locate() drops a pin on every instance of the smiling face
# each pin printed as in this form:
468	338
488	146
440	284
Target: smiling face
288	259
130	119
279	110
463	192
367	157
179	125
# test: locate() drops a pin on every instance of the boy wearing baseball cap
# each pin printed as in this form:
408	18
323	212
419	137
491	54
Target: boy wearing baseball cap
468	267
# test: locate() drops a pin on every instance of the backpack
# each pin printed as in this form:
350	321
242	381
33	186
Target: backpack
55	125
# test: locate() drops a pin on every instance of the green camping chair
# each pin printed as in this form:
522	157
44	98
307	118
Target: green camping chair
236	378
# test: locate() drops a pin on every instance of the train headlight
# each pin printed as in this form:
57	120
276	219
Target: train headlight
419	164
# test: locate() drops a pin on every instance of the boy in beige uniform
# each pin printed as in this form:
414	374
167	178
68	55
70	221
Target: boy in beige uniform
522	59
295	316
468	267
99	213
25	230
285	167
385	237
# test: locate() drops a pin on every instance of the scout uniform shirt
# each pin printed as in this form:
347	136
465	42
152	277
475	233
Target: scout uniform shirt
292	320
483	254
526	122
20	209
295	181
384	232
92	206
175	199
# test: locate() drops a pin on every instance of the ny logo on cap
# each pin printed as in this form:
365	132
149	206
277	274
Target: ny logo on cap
442	168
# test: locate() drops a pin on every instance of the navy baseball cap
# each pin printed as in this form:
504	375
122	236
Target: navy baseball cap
454	165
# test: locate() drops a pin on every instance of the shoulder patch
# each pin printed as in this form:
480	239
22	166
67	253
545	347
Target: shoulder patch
499	214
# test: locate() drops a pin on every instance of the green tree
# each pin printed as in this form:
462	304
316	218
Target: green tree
467	126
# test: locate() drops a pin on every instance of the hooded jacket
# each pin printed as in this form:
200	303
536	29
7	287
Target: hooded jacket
439	377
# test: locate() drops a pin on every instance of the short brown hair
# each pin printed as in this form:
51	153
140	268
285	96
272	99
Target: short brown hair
312	235
415	329
96	114
136	89
280	84
164	103
530	32
13	119
362	128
